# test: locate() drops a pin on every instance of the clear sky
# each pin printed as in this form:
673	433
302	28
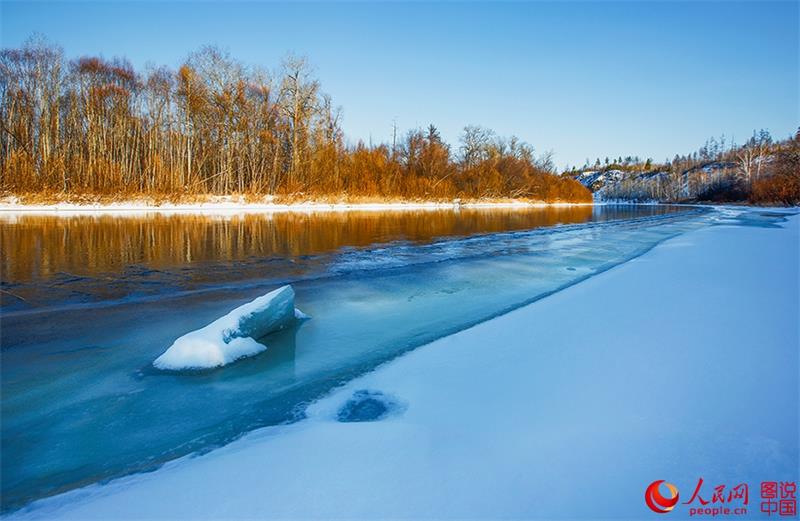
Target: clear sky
583	79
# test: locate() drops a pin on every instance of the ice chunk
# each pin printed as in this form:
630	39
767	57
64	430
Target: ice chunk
234	335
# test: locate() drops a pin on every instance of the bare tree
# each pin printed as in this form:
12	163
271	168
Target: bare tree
475	142
298	101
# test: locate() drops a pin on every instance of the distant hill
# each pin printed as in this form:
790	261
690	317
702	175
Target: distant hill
760	171
655	185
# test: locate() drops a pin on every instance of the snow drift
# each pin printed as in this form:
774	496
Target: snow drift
234	335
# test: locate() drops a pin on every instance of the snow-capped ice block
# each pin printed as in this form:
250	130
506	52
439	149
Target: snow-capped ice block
234	335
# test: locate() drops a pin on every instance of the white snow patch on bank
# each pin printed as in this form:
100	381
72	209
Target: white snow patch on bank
681	365
10	207
234	335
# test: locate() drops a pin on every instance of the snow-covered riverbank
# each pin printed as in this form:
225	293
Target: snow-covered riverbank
680	364
229	204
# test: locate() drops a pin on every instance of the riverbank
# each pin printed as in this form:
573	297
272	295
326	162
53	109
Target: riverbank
681	364
237	204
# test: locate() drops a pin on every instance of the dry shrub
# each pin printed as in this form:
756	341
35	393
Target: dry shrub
777	189
782	185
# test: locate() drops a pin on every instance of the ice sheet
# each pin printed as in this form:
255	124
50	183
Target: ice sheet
677	365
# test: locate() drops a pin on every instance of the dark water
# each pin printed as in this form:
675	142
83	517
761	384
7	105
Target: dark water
90	302
50	260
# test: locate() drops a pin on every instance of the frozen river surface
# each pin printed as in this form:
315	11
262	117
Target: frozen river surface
89	303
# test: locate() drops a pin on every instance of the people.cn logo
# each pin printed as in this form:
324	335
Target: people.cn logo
656	501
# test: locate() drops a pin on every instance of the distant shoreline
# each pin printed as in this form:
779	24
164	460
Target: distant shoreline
235	204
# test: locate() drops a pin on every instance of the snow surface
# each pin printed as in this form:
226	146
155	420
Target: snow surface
680	364
234	335
11	206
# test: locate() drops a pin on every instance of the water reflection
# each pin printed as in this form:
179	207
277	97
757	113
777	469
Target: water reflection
50	259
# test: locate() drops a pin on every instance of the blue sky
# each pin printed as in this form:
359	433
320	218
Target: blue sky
583	79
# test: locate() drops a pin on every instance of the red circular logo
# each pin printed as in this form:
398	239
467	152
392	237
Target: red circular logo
656	501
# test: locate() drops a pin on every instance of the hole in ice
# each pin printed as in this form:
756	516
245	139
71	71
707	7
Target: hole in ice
570	268
366	406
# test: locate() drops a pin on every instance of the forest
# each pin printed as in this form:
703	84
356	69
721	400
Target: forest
95	127
761	170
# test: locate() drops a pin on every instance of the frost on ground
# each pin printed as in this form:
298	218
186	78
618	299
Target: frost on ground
234	335
681	364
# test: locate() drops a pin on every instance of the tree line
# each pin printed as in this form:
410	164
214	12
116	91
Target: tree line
92	126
